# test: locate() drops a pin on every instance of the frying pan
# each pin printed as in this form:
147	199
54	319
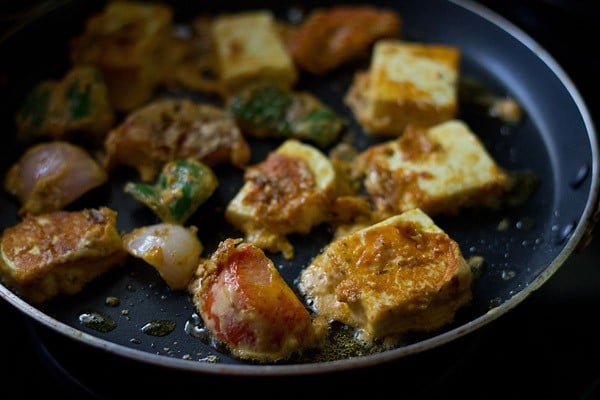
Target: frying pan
556	142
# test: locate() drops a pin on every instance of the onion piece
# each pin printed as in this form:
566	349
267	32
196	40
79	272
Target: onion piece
49	176
173	250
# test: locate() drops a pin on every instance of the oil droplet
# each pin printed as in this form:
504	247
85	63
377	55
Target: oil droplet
495	302
565	232
525	224
97	321
580	176
158	327
508	274
194	326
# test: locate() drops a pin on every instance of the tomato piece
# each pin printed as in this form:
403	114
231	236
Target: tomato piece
248	306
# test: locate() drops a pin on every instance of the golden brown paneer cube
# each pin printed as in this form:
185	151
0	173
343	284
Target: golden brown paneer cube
440	169
407	83
402	274
59	252
291	191
127	41
249	49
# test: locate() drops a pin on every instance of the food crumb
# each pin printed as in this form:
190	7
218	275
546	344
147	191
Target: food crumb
508	110
503	225
476	264
112	301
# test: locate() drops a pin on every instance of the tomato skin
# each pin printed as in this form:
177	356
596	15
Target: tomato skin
247	305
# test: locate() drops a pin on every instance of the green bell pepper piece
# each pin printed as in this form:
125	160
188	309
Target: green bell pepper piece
268	110
182	186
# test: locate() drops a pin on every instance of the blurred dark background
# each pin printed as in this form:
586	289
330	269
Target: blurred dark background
548	347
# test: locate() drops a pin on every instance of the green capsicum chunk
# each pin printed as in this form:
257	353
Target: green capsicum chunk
78	99
182	186
269	110
263	109
78	104
320	126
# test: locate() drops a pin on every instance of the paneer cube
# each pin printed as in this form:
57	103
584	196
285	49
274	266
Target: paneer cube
401	274
291	191
57	253
127	41
406	84
440	169
249	49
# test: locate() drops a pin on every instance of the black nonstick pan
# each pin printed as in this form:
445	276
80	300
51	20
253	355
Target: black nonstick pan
555	142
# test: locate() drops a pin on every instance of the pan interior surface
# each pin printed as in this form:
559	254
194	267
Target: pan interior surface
555	142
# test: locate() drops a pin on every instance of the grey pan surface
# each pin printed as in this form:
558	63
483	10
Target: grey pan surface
556	141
